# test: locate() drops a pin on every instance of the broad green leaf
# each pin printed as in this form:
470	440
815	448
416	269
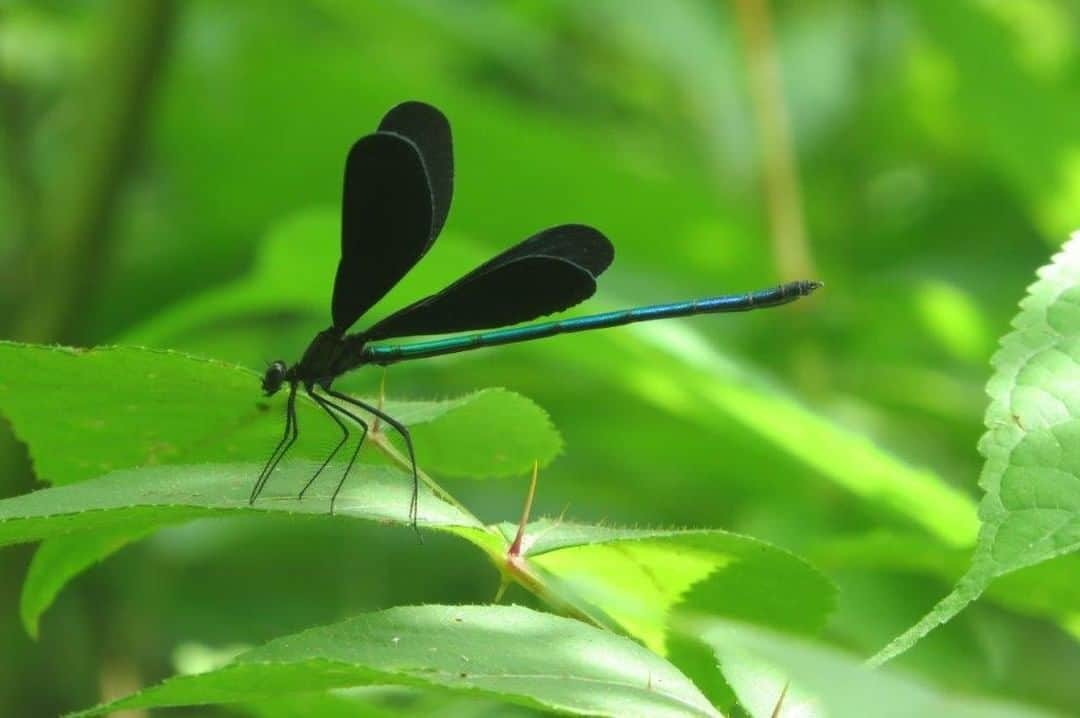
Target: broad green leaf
492	433
825	681
513	653
640	578
761	589
84	413
637	576
379	702
1031	509
336	704
82	523
138	499
382	701
633	576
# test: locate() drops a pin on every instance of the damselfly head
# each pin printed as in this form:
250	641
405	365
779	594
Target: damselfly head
274	377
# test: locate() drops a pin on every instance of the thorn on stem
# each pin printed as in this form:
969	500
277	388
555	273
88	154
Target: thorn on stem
780	701
515	548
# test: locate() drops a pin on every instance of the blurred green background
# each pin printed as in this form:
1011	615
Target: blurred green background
170	175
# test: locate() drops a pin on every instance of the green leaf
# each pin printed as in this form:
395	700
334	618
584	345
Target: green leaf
634	576
84	522
338	704
84	413
825	681
492	433
637	576
139	499
1031	509
513	653
365	702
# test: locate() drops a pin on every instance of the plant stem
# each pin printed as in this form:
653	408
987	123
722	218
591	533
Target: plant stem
25	192
515	547
791	250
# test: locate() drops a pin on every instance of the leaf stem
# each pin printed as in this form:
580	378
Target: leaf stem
791	248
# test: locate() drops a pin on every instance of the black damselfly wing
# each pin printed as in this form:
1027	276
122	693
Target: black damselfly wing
398	187
547	273
577	243
429	130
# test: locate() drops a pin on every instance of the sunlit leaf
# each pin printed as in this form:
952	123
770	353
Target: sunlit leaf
819	680
1031	510
86	412
637	576
136	499
518	655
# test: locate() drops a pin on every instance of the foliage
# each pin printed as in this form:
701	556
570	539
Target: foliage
731	509
1031	510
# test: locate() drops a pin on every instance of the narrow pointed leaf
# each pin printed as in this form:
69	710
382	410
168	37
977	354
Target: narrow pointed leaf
136	499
